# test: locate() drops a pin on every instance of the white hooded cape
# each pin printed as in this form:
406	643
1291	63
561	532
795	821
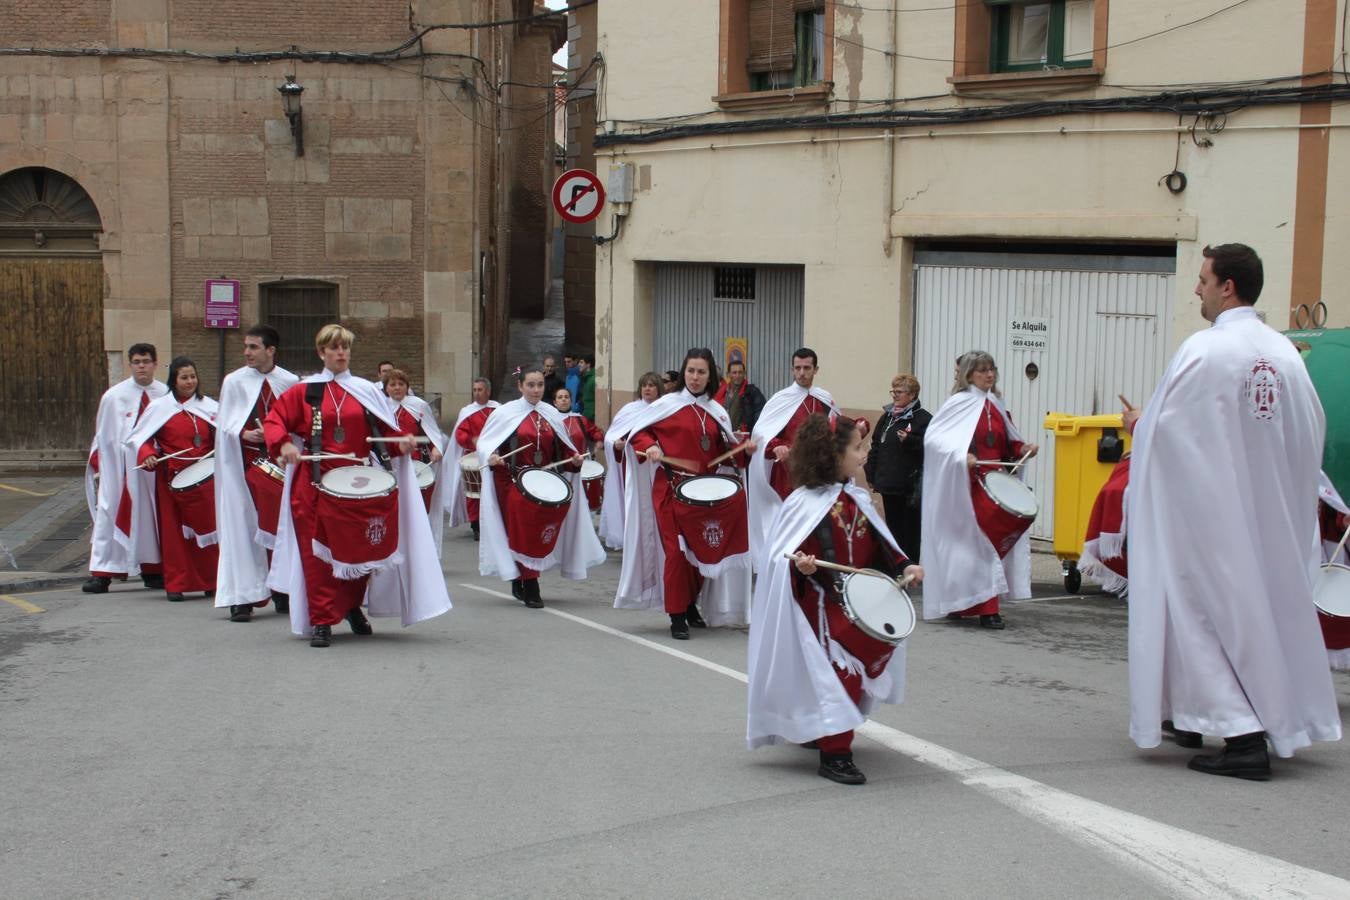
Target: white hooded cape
420	410
611	505
413	589
116	417
1223	635
794	694
144	505
577	549
961	567
762	499
724	598
241	576
454	498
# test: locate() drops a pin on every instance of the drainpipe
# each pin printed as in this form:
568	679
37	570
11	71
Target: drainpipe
888	195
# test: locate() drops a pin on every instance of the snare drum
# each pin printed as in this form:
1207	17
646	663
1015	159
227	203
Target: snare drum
1331	590
535	509
471	475
426	481
710	515
356	520
878	606
593	482
1004	508
193	491
265	481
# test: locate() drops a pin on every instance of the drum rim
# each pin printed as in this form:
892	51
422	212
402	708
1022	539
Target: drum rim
470	461
1324	567
566	483
393	488
600	474
715	475
269	468
984	486
209	468
869	630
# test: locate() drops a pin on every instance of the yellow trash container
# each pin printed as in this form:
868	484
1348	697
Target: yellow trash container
1087	448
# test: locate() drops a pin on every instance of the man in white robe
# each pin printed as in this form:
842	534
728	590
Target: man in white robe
118	411
246	397
1223	636
457	503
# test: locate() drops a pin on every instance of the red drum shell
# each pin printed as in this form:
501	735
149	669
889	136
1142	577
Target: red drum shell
1002	526
713	531
266	488
357	531
197	506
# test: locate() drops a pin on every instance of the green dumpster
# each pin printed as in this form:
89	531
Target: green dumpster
1326	352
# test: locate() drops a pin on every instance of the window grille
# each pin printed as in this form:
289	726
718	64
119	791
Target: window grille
297	310
734	283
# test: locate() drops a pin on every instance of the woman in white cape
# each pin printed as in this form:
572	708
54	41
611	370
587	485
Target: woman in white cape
611	505
813	675
966	575
416	417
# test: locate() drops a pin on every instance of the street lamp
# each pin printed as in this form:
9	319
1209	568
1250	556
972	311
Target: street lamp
290	100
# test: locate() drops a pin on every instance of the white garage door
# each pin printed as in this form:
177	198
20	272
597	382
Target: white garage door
1094	327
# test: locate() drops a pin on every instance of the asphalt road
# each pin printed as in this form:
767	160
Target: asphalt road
150	749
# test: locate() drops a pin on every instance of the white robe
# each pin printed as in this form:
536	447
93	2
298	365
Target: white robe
454	499
116	417
414	588
763	501
794	694
1223	636
241	576
577	548
611	505
723	600
145	505
961	567
420	410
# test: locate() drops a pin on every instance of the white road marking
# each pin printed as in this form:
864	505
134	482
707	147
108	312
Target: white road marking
1179	862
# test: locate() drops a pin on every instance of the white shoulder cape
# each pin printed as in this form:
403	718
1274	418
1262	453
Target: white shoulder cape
420	410
454	498
116	417
611	506
144	505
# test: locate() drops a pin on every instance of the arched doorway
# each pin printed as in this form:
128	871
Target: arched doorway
52	364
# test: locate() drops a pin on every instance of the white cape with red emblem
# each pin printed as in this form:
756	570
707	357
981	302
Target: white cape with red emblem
117	411
1223	634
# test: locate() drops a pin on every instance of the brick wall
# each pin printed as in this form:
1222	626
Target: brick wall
54	23
309	24
579	259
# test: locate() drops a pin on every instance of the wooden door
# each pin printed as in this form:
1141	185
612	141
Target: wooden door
52	365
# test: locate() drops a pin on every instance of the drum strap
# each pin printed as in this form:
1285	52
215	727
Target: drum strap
381	449
314	397
828	580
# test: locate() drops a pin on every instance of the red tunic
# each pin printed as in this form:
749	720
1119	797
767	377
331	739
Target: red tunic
123	515
466	435
411	424
528	523
679	435
261	407
855	544
330	598
187	567
779	475
583	432
998	449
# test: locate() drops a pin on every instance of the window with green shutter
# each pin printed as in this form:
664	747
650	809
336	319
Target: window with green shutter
1040	35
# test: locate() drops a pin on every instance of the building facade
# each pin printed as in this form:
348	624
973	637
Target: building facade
893	186
146	149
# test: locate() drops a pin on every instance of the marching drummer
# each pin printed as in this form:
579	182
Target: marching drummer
531	518
972	564
793	697
585	437
246	507
684	434
177	431
336	415
468	426
611	506
416	417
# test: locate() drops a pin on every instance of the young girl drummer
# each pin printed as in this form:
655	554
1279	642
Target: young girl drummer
799	631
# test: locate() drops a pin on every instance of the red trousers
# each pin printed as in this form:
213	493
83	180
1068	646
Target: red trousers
987	608
187	567
682	581
330	598
471	508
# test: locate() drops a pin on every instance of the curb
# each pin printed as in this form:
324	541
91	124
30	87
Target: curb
38	584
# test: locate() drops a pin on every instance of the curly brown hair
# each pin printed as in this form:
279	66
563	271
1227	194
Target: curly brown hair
814	461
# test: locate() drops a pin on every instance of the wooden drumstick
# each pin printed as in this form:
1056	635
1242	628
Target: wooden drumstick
1026	456
728	455
850	569
687	466
994	462
389	440
160	459
1340	546
312	457
563	462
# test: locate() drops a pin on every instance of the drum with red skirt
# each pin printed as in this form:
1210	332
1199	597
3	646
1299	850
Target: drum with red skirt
593	481
1004	508
356	521
426	481
193	491
266	481
710	515
536	505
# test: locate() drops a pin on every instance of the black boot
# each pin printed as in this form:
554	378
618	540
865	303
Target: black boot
679	626
839	768
173	597
323	636
1243	756
695	617
241	613
532	598
282	602
517	590
97	584
1191	740
360	624
995	622
153	582
474	526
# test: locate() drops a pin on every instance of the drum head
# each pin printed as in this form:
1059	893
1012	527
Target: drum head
879	607
358	481
545	486
1011	494
707	489
469	461
194	474
426	475
1331	590
592	469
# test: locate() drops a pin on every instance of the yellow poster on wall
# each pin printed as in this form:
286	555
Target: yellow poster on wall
735	349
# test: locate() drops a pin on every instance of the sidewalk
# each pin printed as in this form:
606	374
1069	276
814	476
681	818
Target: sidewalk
44	532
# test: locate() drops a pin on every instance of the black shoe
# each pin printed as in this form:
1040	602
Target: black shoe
517	590
241	613
995	622
840	769
153	582
323	636
210	594
474	526
360	624
695	617
174	598
97	584
1191	740
956	616
530	587
1242	757
679	626
282	602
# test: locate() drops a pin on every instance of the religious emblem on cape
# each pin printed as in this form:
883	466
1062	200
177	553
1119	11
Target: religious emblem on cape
704	442
196	440
538	458
339	434
989	439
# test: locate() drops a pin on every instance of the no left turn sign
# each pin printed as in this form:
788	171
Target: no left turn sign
578	196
